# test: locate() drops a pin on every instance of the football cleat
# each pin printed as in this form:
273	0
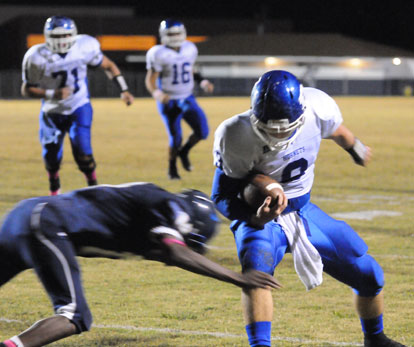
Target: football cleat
278	108
183	155
54	192
60	34
172	33
380	340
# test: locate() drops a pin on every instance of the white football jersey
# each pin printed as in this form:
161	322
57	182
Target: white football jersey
175	68
48	70
239	151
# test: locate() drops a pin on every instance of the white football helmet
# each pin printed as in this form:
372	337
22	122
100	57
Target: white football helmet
172	33
60	34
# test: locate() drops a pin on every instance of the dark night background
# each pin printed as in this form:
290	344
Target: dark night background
388	22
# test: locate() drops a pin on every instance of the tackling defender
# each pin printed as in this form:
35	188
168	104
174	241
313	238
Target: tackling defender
170	80
47	233
56	72
280	137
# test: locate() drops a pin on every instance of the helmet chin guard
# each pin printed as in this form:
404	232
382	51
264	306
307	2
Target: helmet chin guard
278	108
60	34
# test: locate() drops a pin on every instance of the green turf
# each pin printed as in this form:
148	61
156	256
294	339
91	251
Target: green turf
141	303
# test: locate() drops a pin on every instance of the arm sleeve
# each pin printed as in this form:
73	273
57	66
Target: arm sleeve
32	72
94	55
153	61
327	111
225	192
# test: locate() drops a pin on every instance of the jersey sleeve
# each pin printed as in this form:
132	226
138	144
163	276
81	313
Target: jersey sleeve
91	49
326	110
153	60
32	68
232	152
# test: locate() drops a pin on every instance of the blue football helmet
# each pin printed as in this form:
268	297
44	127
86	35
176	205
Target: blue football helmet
204	219
278	108
172	33
60	34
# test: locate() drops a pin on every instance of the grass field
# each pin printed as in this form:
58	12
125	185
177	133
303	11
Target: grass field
141	303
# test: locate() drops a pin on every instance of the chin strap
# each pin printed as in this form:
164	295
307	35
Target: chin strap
357	152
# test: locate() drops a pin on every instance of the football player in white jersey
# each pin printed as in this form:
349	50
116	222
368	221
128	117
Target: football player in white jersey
170	80
280	137
56	72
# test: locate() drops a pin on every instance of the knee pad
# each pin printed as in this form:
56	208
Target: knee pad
86	163
371	276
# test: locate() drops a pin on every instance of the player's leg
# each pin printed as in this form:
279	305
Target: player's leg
260	250
80	139
52	129
54	260
171	116
13	249
344	255
197	120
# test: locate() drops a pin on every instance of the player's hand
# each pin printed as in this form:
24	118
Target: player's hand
127	97
368	156
270	209
160	96
259	279
63	93
207	86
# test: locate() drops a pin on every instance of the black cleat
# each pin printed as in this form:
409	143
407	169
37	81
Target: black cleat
183	155
380	340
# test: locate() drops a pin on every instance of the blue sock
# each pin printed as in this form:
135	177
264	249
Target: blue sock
259	333
372	326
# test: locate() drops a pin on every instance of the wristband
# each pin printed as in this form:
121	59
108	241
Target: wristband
274	185
170	241
49	94
357	151
120	83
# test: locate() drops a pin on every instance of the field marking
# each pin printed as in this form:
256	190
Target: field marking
365	215
196	332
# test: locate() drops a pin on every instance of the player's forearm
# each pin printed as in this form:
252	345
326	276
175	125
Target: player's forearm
185	258
224	194
343	137
34	92
150	82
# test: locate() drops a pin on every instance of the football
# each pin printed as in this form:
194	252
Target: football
257	189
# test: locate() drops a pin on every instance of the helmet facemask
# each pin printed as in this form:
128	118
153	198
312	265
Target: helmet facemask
173	36
277	134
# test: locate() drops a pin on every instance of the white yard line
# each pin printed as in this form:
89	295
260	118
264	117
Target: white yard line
196	332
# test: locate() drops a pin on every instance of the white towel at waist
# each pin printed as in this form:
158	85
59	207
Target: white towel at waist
307	261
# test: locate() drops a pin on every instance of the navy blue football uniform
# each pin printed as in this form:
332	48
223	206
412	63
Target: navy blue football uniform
47	233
